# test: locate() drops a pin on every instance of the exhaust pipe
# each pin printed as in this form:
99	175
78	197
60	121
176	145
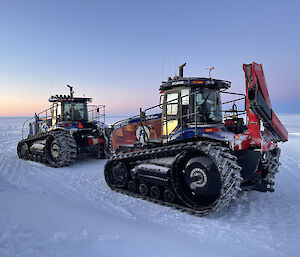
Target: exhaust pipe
181	70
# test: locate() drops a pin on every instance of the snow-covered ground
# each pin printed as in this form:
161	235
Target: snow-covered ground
47	212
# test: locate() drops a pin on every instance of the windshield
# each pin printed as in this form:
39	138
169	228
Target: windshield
207	106
74	112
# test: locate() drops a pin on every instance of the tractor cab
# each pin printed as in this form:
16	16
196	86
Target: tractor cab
191	102
66	109
68	113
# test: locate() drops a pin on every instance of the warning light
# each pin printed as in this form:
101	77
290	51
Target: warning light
236	137
211	130
197	82
80	125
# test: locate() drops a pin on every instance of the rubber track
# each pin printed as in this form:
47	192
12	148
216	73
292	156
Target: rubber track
68	144
225	161
274	165
68	149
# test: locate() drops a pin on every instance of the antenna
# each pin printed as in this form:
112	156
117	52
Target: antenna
163	69
209	71
71	90
175	65
51	89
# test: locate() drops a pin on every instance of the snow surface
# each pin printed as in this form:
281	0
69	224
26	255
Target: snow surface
47	212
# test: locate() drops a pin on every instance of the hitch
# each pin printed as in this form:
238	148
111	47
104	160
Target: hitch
260	185
265	186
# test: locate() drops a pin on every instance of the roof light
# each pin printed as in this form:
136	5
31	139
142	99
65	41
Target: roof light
211	130
197	82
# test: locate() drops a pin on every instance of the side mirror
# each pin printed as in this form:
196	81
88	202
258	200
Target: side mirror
58	117
160	102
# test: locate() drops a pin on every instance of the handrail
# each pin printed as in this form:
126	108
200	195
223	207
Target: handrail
31	118
167	118
24	125
96	108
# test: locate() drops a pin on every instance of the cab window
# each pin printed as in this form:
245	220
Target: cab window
79	111
172	102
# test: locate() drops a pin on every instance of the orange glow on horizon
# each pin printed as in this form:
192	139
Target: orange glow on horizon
28	107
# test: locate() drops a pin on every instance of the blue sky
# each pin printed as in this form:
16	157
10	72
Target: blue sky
114	51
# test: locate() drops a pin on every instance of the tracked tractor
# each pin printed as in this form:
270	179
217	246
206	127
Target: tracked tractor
197	152
68	129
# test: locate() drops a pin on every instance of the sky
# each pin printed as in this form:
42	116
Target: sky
118	52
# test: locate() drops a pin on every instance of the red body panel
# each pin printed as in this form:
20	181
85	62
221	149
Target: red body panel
278	125
126	134
253	136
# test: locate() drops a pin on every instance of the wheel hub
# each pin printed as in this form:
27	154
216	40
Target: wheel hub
54	150
198	178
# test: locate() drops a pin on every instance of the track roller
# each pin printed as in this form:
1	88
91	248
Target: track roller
132	186
169	196
155	192
143	189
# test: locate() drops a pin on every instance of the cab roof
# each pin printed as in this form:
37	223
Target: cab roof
67	98
195	82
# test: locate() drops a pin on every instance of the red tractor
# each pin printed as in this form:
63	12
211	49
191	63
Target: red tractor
194	155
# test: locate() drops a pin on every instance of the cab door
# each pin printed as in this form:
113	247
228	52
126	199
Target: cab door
174	102
54	114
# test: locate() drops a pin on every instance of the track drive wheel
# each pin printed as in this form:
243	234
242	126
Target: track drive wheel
204	180
60	148
198	181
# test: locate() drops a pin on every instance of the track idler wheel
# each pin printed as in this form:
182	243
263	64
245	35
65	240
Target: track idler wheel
116	175
22	150
196	180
